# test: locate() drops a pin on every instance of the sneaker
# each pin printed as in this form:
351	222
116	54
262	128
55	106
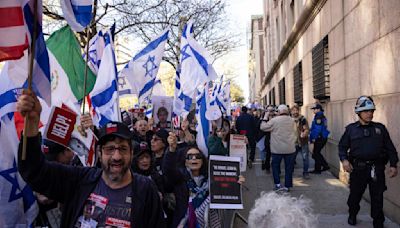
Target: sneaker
306	176
325	168
316	172
352	220
284	189
277	187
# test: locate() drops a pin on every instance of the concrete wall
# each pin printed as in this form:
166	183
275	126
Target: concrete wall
364	58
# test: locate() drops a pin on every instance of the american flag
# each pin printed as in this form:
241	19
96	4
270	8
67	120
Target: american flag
13	34
176	121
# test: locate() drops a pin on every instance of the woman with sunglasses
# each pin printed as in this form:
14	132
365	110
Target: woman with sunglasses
195	175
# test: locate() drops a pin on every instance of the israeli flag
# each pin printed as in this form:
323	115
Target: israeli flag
195	63
224	98
181	103
104	95
41	82
78	13
142	70
96	48
18	202
213	111
203	125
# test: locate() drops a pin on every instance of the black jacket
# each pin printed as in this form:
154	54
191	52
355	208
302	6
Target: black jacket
367	142
248	124
72	186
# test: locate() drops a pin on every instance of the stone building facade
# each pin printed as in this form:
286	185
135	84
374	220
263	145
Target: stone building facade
333	51
256	57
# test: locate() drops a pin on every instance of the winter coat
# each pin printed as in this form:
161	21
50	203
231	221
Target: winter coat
283	134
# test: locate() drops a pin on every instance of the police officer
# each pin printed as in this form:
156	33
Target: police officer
364	150
319	136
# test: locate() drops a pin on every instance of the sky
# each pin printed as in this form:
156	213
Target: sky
239	12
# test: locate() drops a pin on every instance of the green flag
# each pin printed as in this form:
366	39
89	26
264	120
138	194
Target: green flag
67	67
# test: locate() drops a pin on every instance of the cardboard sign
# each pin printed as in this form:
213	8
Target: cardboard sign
225	192
60	126
238	148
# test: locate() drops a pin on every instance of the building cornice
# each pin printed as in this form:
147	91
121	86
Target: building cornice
310	11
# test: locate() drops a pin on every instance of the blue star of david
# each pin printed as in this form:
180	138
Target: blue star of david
184	54
16	193
150	66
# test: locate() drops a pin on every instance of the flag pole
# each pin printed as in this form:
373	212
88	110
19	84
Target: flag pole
30	72
86	68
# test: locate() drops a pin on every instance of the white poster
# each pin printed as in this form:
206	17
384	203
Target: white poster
237	148
162	111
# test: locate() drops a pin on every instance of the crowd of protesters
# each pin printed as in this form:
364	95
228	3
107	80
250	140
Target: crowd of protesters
153	175
148	174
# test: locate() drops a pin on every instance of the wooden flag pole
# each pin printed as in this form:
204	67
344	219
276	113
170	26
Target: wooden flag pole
86	68
30	72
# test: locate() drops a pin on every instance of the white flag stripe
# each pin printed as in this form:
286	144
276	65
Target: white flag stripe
82	2
9	3
11	32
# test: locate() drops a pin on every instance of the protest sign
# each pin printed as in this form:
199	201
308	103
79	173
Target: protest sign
237	148
60	126
225	192
162	111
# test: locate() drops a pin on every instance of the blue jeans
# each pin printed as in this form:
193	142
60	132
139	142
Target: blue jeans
276	168
304	153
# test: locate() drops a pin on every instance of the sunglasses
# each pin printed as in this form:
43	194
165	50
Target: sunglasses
193	156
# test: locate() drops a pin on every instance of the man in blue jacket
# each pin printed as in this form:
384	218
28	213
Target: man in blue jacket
92	197
319	136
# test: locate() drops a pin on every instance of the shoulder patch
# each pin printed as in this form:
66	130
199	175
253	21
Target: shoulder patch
318	121
378	131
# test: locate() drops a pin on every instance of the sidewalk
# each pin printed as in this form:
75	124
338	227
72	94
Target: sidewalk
328	194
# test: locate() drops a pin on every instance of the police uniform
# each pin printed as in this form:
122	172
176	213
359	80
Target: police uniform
367	148
319	136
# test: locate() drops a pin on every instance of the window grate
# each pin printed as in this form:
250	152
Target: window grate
298	84
320	67
272	96
282	95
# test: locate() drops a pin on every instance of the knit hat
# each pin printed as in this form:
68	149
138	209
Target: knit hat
163	135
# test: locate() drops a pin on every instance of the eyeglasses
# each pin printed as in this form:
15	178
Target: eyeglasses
193	156
110	150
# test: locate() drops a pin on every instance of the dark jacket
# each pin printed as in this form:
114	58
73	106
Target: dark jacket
367	143
178	175
246	125
72	186
216	147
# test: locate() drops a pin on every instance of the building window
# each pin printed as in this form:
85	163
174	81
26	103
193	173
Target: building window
298	84
320	67
272	96
282	97
261	61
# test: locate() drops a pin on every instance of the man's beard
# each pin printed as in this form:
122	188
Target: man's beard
115	177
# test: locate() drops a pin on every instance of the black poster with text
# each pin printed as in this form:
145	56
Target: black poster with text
225	192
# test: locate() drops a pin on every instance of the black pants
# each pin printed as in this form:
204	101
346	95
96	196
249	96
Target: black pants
268	156
317	156
359	179
252	145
